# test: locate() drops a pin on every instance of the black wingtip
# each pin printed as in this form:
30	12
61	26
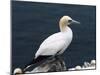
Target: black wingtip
35	62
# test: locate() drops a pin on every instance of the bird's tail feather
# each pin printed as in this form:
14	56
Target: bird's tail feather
36	61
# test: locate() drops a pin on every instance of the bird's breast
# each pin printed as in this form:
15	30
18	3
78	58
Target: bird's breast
67	37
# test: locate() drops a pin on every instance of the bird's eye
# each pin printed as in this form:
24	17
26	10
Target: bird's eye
69	21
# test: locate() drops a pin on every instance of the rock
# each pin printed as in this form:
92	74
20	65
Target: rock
55	64
18	71
93	63
78	67
86	64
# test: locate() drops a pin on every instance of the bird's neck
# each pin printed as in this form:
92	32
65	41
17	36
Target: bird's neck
63	27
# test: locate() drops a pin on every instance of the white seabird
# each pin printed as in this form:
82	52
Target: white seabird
58	42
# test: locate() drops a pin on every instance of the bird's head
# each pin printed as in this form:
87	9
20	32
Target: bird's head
66	20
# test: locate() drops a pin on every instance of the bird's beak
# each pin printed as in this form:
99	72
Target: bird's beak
75	22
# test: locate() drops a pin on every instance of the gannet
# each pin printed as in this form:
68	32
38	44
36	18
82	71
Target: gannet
58	42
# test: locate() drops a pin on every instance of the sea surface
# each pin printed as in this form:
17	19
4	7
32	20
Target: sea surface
32	22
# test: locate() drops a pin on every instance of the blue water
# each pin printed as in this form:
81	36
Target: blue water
33	22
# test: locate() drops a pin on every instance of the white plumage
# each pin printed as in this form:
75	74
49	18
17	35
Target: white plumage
54	43
58	42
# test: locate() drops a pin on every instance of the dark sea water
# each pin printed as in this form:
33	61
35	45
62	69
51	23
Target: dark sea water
33	22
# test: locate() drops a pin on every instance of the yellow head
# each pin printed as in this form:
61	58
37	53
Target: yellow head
65	21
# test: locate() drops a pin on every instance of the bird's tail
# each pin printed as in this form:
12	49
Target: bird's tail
36	62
